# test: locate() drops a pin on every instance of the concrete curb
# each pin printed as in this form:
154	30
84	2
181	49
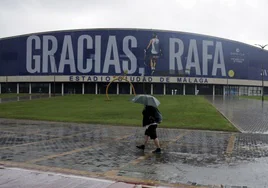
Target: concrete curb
16	177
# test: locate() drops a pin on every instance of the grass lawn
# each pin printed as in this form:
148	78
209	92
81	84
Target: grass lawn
191	112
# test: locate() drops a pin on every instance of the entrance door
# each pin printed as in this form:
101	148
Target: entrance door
218	89
231	90
205	89
190	89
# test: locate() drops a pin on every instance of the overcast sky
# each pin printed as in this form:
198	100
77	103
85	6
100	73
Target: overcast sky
240	20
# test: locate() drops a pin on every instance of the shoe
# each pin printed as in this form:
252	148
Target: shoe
152	72
158	150
141	147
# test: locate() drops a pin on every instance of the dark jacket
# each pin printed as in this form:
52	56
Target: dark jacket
148	115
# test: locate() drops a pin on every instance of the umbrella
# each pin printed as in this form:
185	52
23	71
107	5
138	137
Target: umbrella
148	100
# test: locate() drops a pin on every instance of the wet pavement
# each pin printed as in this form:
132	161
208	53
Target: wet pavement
248	115
16	177
13	177
190	157
24	98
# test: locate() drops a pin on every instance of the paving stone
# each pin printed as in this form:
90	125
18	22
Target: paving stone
198	157
97	159
250	146
249	115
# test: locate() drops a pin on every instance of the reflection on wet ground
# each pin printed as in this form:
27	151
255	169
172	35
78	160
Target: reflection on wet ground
24	98
248	115
189	157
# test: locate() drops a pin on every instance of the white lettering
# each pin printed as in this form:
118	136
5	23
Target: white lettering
67	49
97	54
193	54
80	54
49	53
130	55
218	64
175	56
206	56
33	67
111	50
264	72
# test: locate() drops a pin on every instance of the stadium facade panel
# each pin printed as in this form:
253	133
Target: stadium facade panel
155	61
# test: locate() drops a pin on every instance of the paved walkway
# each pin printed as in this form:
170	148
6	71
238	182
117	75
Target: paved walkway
190	158
107	154
15	177
248	115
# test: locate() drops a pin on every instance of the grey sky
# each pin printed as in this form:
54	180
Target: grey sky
241	20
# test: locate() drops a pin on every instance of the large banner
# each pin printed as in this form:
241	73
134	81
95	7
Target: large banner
137	52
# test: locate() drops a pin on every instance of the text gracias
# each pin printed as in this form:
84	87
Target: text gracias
41	56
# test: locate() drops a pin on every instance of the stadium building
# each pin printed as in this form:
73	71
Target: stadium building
154	61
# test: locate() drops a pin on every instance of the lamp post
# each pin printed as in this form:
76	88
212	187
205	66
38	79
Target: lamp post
54	84
262	94
262	72
144	71
54	76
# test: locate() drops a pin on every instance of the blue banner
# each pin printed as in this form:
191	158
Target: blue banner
133	52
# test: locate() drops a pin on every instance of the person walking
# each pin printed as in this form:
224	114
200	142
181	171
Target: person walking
151	118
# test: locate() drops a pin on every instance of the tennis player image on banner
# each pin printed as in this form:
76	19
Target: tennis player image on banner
152	53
